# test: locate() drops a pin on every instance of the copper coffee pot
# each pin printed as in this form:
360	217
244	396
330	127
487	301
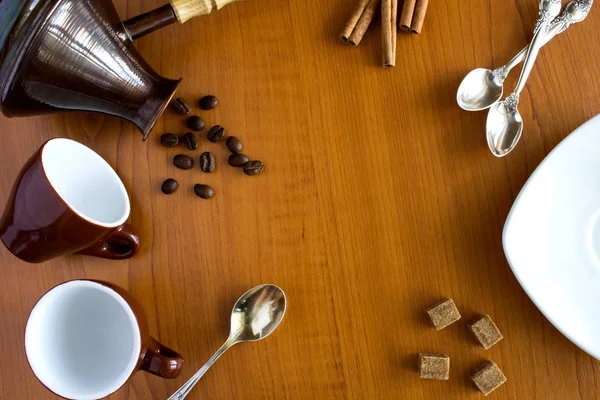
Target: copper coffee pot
76	55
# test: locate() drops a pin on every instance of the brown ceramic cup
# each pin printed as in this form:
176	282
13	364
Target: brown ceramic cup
68	199
85	339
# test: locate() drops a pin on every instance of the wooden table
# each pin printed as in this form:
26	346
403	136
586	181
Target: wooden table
379	198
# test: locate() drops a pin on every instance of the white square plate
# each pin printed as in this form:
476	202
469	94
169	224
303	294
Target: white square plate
552	237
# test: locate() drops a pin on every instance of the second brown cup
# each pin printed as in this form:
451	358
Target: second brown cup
68	199
85	339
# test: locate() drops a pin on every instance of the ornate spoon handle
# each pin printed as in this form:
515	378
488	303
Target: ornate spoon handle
189	385
512	101
576	11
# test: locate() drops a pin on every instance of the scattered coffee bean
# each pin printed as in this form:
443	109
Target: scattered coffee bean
195	123
238	160
207	162
182	161
208	102
182	106
234	144
169	186
190	141
216	133
252	168
204	191
169	140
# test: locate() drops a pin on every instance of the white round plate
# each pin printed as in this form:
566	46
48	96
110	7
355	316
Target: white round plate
552	237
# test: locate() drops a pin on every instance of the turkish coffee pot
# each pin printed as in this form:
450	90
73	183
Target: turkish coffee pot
77	55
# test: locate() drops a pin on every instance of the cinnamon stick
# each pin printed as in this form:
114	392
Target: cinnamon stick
406	17
359	22
389	12
419	16
394	26
351	24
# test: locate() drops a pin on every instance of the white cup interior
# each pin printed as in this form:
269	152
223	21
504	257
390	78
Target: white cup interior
85	182
82	340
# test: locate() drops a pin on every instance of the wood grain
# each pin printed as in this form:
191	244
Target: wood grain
379	197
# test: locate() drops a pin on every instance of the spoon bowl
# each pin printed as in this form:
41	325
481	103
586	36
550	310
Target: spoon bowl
504	129
478	90
257	313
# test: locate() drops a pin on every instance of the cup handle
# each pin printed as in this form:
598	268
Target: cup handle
161	361
120	244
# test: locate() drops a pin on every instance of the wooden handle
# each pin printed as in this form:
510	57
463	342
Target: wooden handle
187	9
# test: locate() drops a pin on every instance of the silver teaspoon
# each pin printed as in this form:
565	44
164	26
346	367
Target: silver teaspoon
481	88
254	317
504	125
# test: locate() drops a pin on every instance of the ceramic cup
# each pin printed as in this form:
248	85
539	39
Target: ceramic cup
68	199
84	339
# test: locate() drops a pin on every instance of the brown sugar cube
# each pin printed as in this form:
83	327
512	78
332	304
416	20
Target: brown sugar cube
434	366
485	331
443	314
488	377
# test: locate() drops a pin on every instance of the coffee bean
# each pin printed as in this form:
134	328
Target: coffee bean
238	160
182	161
234	144
169	140
216	133
195	123
169	186
204	191
208	102
182	106
207	162
253	167
190	141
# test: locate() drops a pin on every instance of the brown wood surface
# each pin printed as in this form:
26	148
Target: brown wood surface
379	197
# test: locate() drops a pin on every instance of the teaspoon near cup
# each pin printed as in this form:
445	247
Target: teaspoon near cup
504	125
254	317
482	88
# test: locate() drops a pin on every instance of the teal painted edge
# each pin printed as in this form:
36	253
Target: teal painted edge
9	12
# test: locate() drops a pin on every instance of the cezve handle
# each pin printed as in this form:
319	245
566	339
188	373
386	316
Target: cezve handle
177	10
187	9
